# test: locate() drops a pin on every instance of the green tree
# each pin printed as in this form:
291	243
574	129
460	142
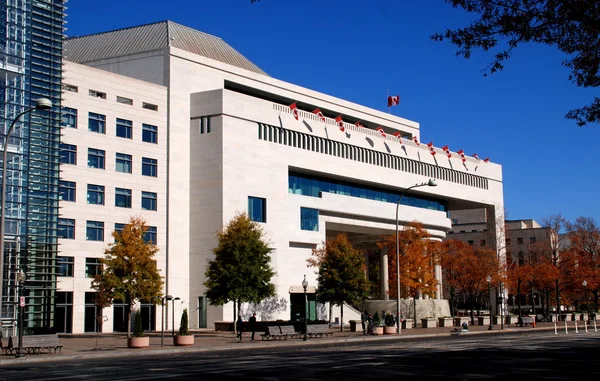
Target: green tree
241	269
572	26
341	273
129	269
183	326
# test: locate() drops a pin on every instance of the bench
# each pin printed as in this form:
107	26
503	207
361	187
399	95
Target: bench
273	332
289	331
34	344
527	320
319	330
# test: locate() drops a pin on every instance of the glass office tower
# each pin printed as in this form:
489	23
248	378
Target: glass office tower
31	38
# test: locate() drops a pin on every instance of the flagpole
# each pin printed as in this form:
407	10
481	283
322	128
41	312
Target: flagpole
388	97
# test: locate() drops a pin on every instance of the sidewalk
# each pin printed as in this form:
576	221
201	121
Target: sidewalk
115	345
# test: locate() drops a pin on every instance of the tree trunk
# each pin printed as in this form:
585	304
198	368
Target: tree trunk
415	311
342	317
595	300
519	301
234	318
557	300
452	306
129	321
330	313
532	300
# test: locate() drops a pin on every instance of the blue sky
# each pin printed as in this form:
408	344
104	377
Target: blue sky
358	49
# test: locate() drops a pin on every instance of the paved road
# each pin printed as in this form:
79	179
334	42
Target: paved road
507	356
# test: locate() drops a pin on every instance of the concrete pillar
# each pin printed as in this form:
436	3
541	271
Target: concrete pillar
496	234
385	284
438	277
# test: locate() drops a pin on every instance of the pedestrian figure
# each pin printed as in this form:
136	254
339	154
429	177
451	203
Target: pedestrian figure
239	327
364	317
465	326
252	323
370	325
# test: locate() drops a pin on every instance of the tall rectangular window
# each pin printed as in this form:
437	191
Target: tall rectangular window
149	167
149	201
94	231
95	194
123	163
92	267
66	228
119	229
97	123
67	191
124	128
257	209
68	117
309	219
96	158
123	198
149	133
68	154
65	266
150	235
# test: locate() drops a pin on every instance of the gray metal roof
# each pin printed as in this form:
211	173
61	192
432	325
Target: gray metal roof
151	37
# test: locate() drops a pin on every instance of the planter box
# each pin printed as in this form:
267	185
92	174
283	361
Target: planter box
183	340
429	323
445	322
576	316
483	320
458	321
389	330
407	324
497	320
353	324
512	319
138	342
566	317
585	316
378	330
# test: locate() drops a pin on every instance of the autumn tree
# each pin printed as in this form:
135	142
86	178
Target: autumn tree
573	27
452	253
241	270
341	273
129	270
584	235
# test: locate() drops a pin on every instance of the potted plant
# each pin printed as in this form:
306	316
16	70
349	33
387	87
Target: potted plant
377	327
429	322
138	340
390	325
184	337
445	321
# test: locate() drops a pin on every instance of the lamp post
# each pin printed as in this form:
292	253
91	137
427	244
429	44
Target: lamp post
587	306
430	183
162	318
173	314
21	280
489	282
305	286
41	104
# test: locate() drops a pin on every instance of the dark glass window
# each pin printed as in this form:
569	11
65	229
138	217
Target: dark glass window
95	231
149	201
67	190
257	209
95	194
123	163
520	240
124	128
149	133
68	154
68	117
309	219
123	198
65	266
150	235
97	123
149	167
66	228
96	158
92	267
119	228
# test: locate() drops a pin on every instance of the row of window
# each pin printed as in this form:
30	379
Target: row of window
257	212
96	195
95	230
343	150
102	95
97	123
97	159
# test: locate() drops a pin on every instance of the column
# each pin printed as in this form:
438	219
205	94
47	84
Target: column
385	284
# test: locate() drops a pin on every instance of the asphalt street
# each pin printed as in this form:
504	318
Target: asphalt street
523	356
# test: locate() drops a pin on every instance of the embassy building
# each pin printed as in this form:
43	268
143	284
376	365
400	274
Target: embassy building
174	125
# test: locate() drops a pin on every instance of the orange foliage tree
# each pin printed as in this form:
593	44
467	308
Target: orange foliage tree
584	235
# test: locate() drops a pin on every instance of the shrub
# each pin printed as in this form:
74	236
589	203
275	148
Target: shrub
376	319
138	331
389	320
183	326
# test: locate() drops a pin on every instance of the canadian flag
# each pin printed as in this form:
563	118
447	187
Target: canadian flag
476	156
445	149
381	131
393	100
462	155
486	160
294	109
357	124
431	148
340	123
416	140
320	114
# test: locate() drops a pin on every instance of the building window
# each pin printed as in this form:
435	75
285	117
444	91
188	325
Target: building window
150	235
521	258
482	242
149	167
97	123
125	101
67	87
94	231
66	228
205	125
97	94
531	240
66	190
119	228
520	240
93	267
507	242
68	117
123	163
470	242
123	198
149	133
149	106
65	266
96	158
95	194
124	128
309	219
68	154
257	209
149	201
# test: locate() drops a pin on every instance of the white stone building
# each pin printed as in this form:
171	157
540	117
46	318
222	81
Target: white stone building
227	141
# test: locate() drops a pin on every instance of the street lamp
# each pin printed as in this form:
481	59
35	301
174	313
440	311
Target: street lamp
41	104
305	286
162	318
489	282
21	280
587	306
430	183
173	314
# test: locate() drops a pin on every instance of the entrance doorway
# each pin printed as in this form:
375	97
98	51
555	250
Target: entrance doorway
63	314
202	312
297	309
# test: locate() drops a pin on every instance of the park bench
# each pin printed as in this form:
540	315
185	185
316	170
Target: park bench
319	330
527	320
289	331
34	344
273	332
